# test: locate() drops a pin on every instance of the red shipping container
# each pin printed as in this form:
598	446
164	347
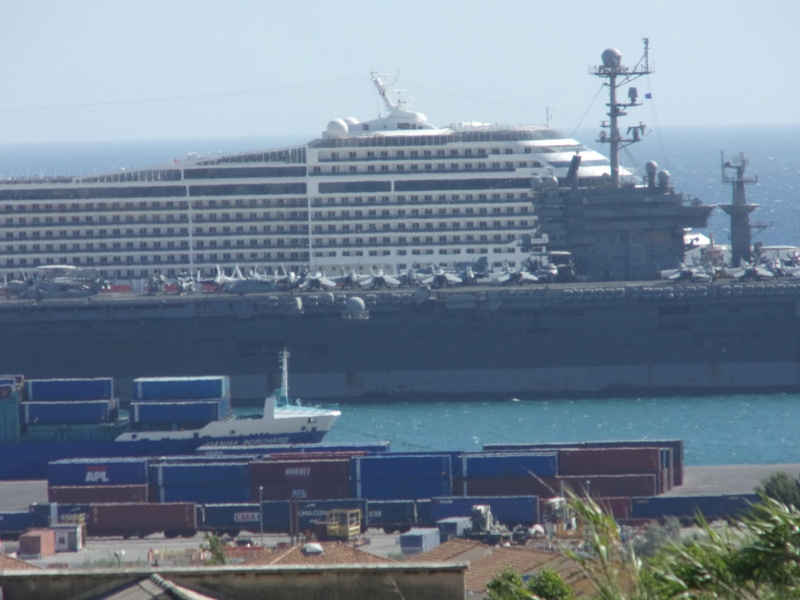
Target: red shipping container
544	487
634	484
619	508
608	461
301	490
140	519
90	494
289	471
37	543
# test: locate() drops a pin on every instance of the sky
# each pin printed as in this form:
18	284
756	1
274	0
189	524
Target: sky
117	70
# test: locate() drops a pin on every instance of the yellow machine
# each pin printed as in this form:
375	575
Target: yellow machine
344	524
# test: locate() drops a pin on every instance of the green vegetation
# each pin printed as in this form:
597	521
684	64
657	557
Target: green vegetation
782	487
755	558
214	546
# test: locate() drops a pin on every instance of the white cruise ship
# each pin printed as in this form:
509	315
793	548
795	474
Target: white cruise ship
394	193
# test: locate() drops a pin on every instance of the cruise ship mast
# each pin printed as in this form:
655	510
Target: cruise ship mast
618	76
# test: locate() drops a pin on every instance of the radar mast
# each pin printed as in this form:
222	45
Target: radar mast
618	76
739	210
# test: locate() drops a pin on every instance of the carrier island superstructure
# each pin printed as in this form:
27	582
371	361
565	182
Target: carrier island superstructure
397	192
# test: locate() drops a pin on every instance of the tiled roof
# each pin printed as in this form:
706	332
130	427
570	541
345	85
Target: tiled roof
14	564
333	553
487	561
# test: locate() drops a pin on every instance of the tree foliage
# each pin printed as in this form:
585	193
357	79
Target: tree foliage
755	558
544	585
215	548
782	487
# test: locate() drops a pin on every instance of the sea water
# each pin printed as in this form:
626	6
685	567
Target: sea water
734	429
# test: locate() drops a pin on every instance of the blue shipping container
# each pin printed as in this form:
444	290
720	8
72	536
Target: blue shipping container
74	412
220	518
14	522
201	494
181	388
401	490
43	390
316	511
522	464
391	467
198	474
508	510
687	507
196	411
391	513
97	471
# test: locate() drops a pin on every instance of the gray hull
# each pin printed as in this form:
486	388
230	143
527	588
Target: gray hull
554	341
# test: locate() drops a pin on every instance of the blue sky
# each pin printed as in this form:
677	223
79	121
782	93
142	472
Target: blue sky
85	70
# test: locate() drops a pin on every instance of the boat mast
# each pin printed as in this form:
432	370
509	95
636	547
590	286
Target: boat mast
284	391
617	76
739	210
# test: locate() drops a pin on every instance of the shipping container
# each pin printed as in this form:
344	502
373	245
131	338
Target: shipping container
300	490
391	515
139	520
43	514
313	470
405	467
619	508
201	494
74	412
90	494
419	540
675	445
181	388
37	544
14	522
687	507
271	449
45	390
402	489
519	464
195	411
172	474
508	510
453	527
71	513
306	514
233	518
545	487
97	471
613	485
608	461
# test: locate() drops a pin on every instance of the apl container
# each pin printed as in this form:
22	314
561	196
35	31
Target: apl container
97	471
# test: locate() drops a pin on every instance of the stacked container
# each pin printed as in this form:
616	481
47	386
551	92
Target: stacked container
315	478
182	401
506	474
402	476
90	480
69	401
200	481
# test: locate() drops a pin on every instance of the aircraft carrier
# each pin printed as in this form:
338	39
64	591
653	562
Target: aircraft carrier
623	333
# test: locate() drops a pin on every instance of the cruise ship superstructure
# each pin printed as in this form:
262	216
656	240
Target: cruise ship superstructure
395	192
